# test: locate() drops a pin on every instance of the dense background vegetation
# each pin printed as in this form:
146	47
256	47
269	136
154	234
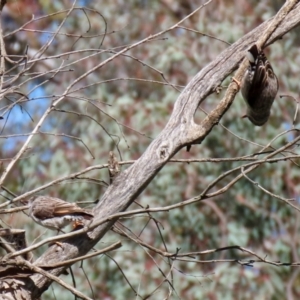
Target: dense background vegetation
122	107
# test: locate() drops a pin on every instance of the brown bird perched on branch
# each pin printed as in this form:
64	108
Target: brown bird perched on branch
259	87
55	213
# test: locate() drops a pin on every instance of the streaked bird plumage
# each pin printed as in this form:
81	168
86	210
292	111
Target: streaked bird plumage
259	87
55	213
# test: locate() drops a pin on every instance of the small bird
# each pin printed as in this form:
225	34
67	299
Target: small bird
259	87
54	213
113	167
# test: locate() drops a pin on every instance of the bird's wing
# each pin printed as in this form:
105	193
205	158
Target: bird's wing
259	82
64	208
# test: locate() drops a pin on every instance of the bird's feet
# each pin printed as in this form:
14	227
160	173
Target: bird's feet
59	244
237	82
218	89
78	224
